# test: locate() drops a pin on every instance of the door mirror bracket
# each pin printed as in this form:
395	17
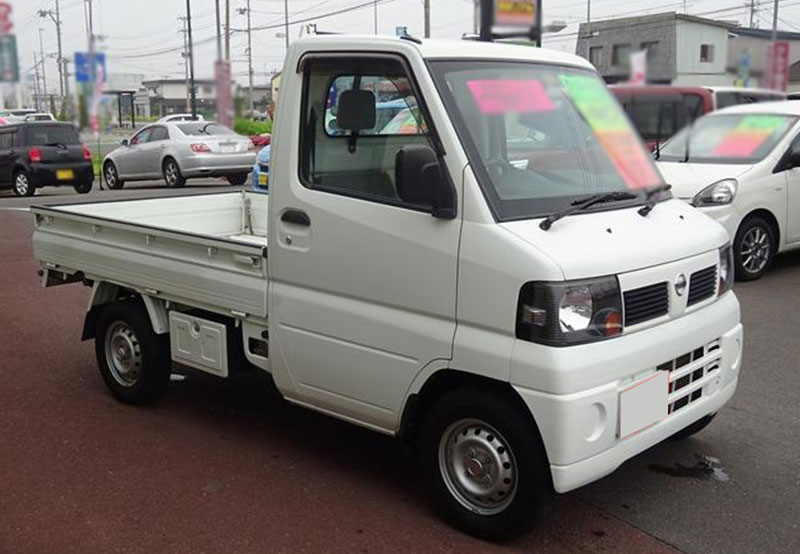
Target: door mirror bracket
421	180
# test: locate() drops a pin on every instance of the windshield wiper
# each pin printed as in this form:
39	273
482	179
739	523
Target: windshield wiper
583	203
650	199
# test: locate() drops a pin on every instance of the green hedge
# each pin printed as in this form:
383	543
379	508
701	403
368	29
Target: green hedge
245	126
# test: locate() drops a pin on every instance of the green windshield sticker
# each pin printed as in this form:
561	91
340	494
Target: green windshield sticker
609	124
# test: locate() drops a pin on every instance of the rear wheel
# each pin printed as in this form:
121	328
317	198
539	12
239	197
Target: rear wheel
111	176
485	464
83	188
22	184
754	248
133	361
237	179
172	174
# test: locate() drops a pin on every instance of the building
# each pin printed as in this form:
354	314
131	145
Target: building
168	96
681	49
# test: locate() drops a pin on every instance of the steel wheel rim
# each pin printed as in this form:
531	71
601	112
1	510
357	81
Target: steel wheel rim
756	249
123	354
21	184
111	175
171	173
478	466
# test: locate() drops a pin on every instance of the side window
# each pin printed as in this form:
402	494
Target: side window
357	115
158	133
142	136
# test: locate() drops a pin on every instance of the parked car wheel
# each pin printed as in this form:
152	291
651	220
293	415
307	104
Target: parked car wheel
172	174
133	361
695	427
111	176
83	188
238	179
753	248
22	184
485	464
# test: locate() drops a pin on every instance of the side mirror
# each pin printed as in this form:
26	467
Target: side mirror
793	159
420	179
124	142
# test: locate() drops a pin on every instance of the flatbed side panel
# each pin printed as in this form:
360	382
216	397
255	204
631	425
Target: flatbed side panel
226	277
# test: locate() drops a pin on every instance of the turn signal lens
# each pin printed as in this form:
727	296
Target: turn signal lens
35	154
200	147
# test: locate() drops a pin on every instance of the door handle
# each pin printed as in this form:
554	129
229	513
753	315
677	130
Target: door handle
297	217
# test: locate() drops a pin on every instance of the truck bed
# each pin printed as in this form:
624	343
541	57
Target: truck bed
207	250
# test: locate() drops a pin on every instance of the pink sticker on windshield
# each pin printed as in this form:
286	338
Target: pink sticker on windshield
507	95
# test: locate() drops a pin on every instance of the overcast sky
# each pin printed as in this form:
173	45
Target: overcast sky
138	34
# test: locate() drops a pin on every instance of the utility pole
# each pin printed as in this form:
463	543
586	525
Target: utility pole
774	26
286	22
185	56
56	17
250	58
43	61
375	13
192	91
427	8
752	12
219	31
588	12
36	82
228	30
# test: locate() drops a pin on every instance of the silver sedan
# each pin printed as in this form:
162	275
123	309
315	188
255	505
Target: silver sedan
179	151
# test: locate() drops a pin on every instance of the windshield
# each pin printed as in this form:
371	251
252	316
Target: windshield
39	135
728	139
204	128
539	137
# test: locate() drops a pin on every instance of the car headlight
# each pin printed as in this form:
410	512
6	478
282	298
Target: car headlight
719	193
571	312
725	269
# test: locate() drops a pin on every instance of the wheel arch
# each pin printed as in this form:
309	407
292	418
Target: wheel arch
770	218
104	293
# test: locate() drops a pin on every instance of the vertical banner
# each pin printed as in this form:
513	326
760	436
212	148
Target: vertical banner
97	96
776	73
639	68
222	82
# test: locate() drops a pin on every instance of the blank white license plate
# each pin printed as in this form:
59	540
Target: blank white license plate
643	404
227	148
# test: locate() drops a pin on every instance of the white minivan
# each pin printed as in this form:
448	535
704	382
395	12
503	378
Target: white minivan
741	166
502	280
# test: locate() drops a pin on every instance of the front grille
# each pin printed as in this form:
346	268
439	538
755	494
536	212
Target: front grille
646	303
702	285
687	369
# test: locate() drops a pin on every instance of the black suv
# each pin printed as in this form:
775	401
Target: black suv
38	154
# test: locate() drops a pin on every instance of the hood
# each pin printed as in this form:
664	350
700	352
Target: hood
687	179
617	241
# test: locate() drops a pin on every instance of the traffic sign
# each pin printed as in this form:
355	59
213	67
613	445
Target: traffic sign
83	67
9	64
5	18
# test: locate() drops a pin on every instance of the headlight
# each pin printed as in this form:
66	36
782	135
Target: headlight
572	312
721	192
725	269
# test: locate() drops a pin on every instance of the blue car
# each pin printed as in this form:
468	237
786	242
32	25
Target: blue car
261	170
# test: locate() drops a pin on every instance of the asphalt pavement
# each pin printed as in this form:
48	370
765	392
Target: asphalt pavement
227	466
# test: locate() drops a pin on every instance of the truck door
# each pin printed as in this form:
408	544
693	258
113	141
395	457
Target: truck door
362	284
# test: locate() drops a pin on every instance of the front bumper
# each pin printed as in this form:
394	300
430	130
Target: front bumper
580	429
45	174
217	165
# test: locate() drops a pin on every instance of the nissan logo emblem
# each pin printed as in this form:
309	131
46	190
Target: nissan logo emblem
680	284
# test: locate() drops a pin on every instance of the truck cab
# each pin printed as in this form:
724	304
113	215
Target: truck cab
503	281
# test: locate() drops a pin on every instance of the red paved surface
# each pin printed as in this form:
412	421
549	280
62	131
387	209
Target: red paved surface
214	467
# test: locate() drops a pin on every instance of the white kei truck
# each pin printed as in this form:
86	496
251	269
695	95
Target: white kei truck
464	245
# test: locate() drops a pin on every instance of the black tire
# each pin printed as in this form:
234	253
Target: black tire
140	371
238	179
111	176
172	173
23	186
753	248
695	427
503	445
83	188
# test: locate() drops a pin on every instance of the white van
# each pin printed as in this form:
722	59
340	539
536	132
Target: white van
503	282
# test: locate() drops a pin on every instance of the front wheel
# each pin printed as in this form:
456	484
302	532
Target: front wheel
23	185
754	248
133	361
83	188
238	179
172	174
485	463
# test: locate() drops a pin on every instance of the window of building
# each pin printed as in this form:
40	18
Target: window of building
357	115
651	47
596	55
706	52
620	54
207	89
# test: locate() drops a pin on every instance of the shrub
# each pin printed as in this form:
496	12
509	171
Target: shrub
248	127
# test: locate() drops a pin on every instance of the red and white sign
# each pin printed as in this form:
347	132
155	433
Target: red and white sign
638	68
776	70
5	18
